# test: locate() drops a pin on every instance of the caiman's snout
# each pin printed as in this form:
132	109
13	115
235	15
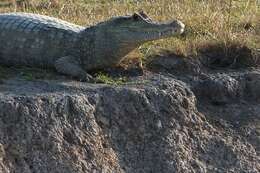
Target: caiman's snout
177	26
139	28
169	29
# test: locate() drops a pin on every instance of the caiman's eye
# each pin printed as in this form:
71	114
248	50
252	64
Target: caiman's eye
136	16
143	14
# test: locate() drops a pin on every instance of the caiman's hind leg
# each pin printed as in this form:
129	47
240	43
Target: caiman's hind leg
69	65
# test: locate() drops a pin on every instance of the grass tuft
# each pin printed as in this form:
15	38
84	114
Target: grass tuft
105	78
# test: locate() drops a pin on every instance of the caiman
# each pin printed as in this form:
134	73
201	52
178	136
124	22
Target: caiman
40	41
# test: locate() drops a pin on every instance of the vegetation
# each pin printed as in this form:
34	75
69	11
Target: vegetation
105	78
208	21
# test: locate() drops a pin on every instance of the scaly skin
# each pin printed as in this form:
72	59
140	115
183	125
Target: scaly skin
46	42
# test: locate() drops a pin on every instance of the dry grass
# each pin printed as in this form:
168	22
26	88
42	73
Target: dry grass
223	21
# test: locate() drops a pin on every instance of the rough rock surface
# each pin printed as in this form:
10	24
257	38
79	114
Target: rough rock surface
206	122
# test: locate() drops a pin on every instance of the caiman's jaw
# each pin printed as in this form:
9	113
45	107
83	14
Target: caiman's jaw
161	30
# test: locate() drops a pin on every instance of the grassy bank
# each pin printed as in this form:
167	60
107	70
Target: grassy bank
207	21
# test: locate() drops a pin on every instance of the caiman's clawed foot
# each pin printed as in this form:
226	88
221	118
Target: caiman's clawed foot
86	78
69	65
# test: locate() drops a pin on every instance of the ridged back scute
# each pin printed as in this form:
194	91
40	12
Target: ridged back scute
29	22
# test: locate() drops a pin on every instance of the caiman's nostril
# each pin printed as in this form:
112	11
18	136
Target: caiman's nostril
178	25
181	24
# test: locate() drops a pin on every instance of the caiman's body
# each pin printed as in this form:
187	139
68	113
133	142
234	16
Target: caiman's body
46	42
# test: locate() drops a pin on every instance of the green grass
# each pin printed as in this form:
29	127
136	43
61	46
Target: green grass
105	78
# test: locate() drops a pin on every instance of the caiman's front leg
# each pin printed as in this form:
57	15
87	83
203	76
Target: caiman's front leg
69	65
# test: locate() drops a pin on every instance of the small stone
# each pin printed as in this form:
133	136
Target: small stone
159	124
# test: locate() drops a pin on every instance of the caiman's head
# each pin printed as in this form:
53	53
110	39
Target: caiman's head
139	28
118	36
